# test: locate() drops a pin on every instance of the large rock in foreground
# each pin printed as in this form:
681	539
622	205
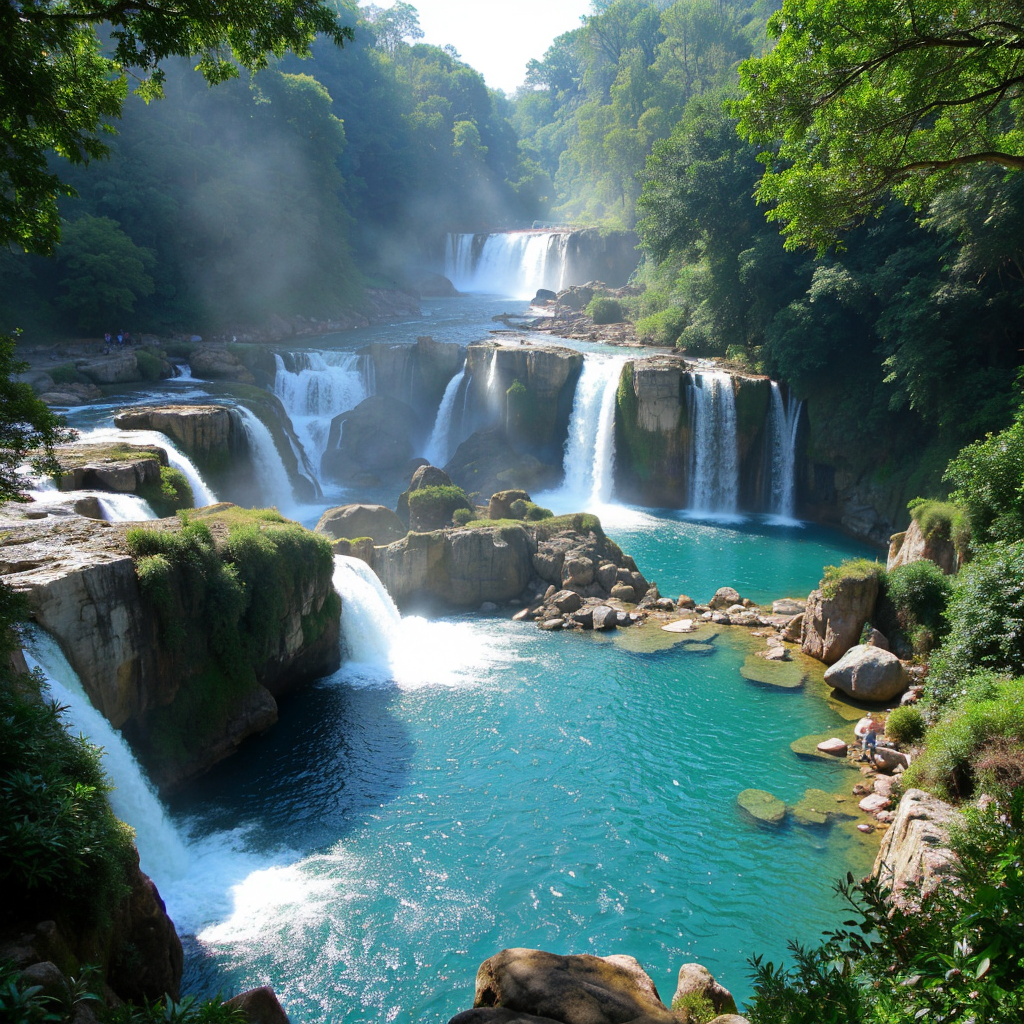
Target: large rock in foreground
377	522
868	673
577	989
834	619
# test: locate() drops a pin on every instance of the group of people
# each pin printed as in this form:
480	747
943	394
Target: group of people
122	338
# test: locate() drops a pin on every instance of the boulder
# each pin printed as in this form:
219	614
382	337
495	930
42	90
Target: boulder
567	601
788	606
485	463
868	673
873	803
878	639
724	598
429	476
624	593
120	368
685	603
216	362
577	569
500	505
199	430
370	442
551	624
351	521
913	546
260	1005
794	628
434	286
544	295
607	575
695	979
605	618
576	989
121	468
833	624
916	847
834	746
888	760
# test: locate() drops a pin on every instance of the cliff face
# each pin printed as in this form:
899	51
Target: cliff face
169	699
415	374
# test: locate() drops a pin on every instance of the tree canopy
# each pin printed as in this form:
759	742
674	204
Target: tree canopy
859	100
60	83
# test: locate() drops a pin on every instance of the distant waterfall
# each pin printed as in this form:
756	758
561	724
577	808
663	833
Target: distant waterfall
439	445
785	420
715	474
162	851
104	435
275	486
323	385
511	263
590	449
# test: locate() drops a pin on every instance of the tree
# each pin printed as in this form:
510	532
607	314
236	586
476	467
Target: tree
858	100
59	87
393	25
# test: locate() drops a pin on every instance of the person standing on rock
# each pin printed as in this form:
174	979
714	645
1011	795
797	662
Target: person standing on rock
868	729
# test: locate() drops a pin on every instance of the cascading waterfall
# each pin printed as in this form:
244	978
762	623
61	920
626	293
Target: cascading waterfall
714	482
326	384
369	620
439	444
590	449
123	508
785	421
162	851
104	435
267	465
510	263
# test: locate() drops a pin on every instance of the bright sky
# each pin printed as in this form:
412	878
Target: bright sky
497	37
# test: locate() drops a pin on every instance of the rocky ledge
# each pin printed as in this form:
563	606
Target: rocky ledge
200	430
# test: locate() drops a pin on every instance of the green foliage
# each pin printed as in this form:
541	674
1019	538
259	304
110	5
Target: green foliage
905	724
189	1010
62	851
663	327
956	954
604	310
521	509
67	374
941	520
172	494
698	1007
857	569
151	366
847	107
22	1003
918	593
463	516
434	506
985	617
986	478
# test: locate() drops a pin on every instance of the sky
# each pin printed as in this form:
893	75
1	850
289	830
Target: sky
497	37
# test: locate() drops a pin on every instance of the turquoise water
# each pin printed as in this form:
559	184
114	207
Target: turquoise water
571	792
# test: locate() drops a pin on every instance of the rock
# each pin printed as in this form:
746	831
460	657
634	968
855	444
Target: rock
216	362
685	603
889	760
522	616
913	546
868	673
120	368
371	442
260	1005
361	548
488	606
877	639
816	808
793	629
121	468
70	394
883	785
486	463
679	626
433	286
577	989
199	430
577	569
788	606
912	696
567	601
874	803
697	979
544	295
500	505
584	617
605	618
832	625
552	624
377	522
744	619
834	746
49	978
762	806
736	609
720	619
865	827
607	575
429	476
724	597
624	593
665	604
916	847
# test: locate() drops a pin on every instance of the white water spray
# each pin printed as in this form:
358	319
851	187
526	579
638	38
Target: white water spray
162	851
267	465
439	445
785	421
510	263
327	383
123	508
714	484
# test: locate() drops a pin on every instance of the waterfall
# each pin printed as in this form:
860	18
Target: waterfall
162	851
714	485
324	385
439	445
184	371
369	618
785	420
124	508
104	435
267	465
590	449
509	263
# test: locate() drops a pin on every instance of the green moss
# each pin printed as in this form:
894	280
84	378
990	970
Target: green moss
786	675
151	366
762	806
857	569
435	506
817	808
172	494
117	451
941	520
67	374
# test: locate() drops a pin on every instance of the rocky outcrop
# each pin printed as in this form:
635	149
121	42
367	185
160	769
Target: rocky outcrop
696	979
120	368
377	522
834	619
201	431
416	375
121	468
486	463
83	589
260	1006
371	443
913	546
868	673
915	850
217	362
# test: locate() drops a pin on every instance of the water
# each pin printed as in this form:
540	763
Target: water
268	468
715	480
514	263
326	384
590	448
439	445
785	421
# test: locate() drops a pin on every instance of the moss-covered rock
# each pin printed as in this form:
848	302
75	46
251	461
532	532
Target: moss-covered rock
818	808
762	806
786	675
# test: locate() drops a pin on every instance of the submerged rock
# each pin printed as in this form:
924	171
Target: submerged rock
762	806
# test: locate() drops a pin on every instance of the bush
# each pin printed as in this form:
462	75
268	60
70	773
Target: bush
463	516
433	507
985	617
664	327
189	1011
150	365
67	374
917	595
941	520
851	569
521	509
603	310
699	1009
905	725
171	495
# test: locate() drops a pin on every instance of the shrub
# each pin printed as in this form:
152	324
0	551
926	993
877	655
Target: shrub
915	599
67	374
905	724
941	520
150	365
433	507
604	310
463	516
851	569
172	494
698	1007
664	327
535	513
189	1011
